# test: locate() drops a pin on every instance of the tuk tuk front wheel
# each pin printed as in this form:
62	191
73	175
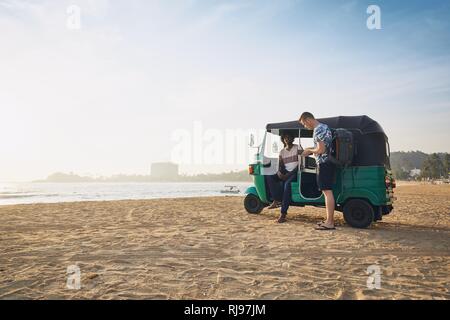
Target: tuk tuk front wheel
253	204
358	213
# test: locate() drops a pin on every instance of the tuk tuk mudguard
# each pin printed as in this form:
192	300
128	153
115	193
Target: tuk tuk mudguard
259	189
359	194
252	190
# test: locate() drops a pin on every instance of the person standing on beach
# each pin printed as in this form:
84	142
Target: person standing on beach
325	169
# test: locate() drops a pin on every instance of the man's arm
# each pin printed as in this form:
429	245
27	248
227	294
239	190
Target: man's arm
281	166
281	173
317	150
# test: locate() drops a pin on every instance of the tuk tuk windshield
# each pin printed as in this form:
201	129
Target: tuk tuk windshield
272	145
270	151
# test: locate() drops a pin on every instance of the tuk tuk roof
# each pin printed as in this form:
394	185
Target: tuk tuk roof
364	124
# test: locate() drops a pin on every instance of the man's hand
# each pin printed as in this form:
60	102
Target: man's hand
307	152
281	176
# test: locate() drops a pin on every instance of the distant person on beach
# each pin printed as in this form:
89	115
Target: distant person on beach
325	169
280	183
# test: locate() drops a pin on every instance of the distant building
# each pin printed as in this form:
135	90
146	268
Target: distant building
164	171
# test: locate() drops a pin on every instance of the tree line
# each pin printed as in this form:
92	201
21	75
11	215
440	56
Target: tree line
436	167
432	166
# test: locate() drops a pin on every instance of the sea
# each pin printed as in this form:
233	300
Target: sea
28	192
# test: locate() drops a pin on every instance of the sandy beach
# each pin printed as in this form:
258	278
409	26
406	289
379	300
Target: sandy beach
210	248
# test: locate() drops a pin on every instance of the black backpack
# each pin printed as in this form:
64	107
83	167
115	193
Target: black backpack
342	148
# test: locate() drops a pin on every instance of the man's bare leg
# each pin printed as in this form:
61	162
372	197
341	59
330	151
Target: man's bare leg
329	203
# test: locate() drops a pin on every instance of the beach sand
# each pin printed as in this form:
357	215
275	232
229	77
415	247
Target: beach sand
210	248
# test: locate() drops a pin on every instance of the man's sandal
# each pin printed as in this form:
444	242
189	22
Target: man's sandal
324	227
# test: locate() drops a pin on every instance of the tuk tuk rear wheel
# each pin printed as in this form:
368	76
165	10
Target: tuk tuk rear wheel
358	213
253	204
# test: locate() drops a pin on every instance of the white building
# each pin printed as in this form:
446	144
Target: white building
414	173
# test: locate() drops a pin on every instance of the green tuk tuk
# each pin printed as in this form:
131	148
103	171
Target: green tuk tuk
363	188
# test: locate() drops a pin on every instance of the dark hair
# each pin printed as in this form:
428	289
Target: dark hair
290	136
306	115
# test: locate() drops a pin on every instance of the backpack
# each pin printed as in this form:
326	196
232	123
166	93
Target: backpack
342	147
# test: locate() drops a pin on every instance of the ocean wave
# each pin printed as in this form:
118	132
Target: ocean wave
11	195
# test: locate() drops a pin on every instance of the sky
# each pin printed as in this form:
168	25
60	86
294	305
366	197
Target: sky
116	92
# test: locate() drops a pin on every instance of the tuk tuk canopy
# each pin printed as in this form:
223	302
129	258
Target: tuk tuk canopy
370	141
363	124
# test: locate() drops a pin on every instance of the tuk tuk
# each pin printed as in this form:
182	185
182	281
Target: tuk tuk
363	185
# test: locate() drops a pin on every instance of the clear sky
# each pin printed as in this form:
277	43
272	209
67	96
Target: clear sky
106	98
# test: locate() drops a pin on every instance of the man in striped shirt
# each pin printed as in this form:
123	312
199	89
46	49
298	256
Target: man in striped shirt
280	183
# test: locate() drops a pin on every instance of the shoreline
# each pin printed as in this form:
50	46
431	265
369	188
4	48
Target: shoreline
122	200
76	192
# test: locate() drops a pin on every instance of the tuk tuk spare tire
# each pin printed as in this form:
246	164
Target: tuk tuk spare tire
253	204
358	213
